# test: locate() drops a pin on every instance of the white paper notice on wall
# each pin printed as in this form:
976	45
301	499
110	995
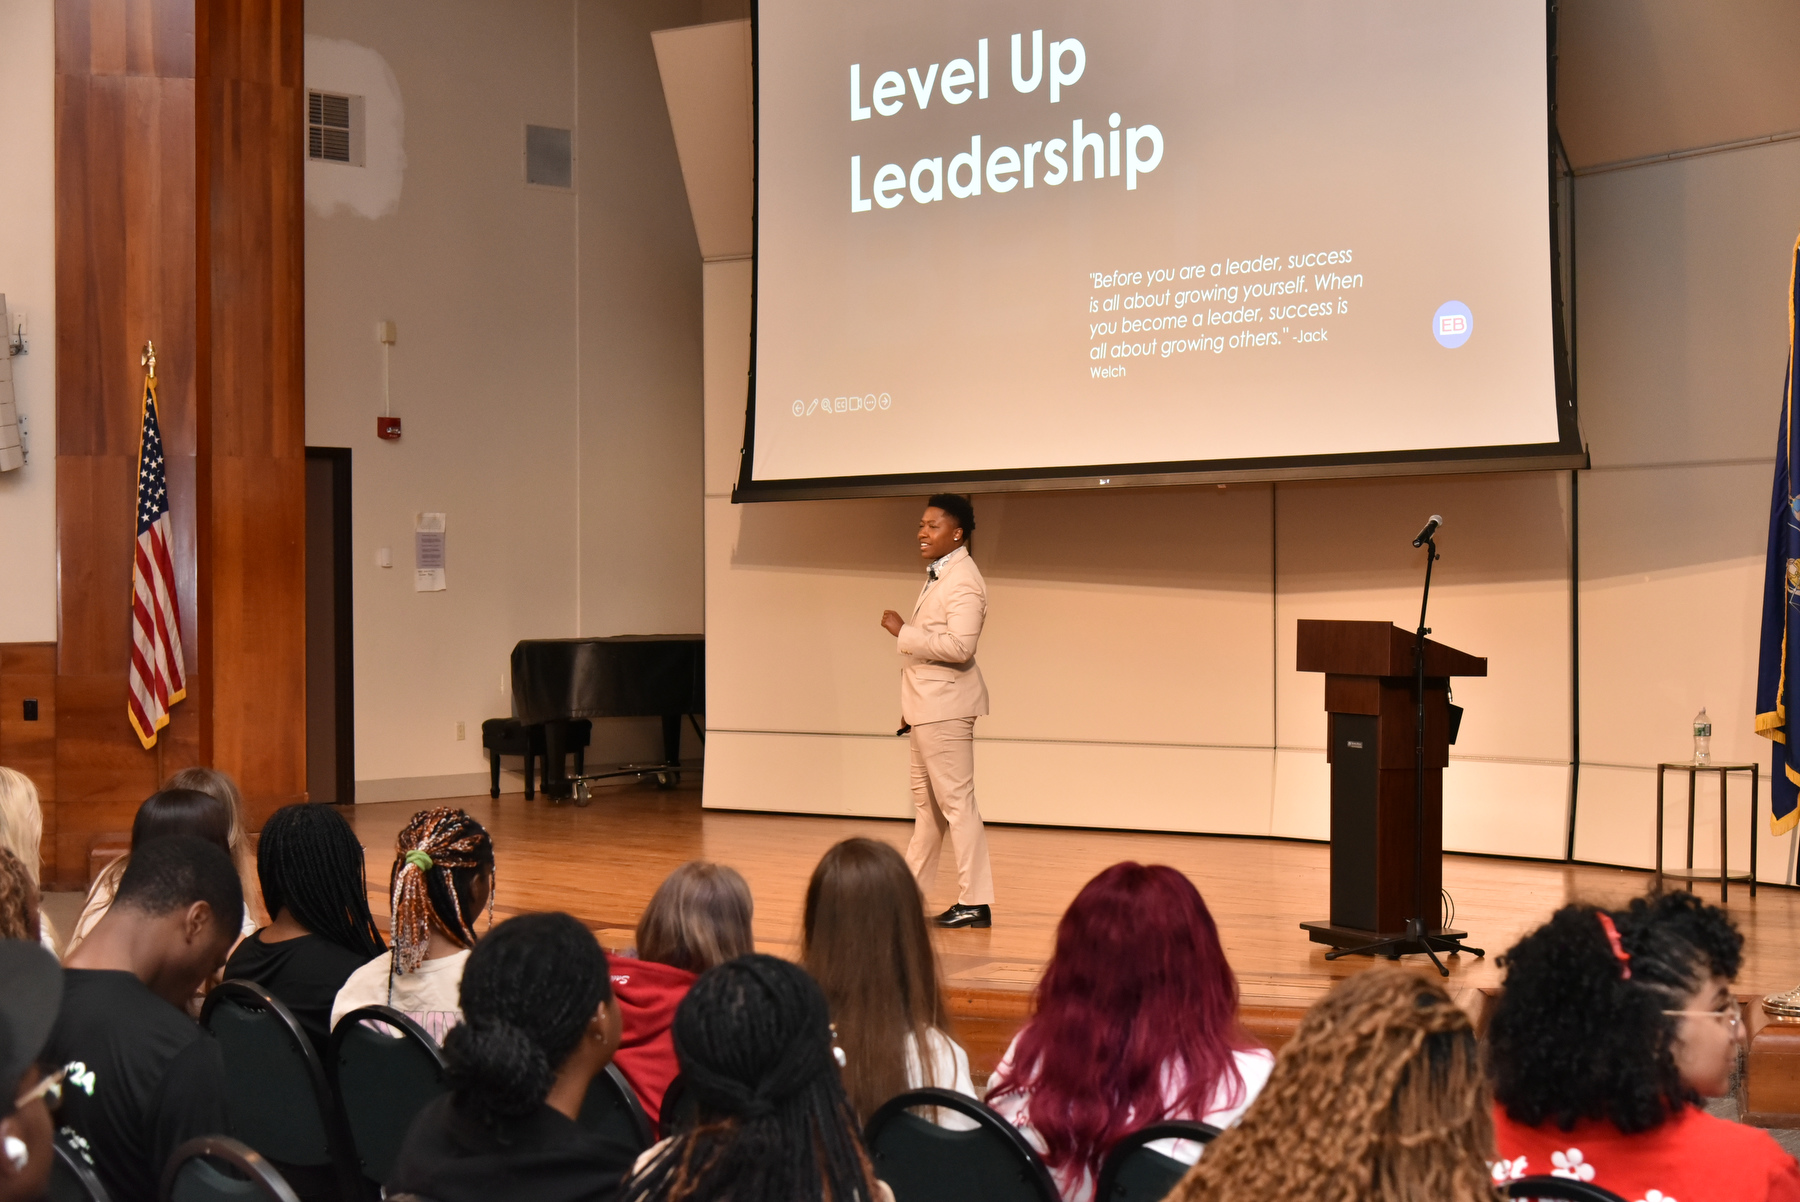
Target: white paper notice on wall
428	552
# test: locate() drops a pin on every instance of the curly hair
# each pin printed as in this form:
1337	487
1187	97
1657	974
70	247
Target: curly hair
1378	1096
438	857
753	1038
959	509
1574	1037
529	991
18	899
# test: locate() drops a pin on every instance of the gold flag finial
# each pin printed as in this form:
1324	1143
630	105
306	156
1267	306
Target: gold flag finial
148	359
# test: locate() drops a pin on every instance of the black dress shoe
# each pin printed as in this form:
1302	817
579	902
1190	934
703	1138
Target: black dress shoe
965	916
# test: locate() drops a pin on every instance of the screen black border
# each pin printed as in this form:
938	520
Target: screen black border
1565	453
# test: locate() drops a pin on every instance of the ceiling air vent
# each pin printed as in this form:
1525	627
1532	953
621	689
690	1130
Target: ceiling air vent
334	128
549	157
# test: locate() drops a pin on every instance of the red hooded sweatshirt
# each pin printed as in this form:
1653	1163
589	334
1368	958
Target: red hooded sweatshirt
648	994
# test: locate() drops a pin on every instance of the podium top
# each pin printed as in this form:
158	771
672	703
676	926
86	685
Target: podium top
1375	649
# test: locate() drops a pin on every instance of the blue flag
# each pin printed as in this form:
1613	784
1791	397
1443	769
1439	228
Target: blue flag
1781	601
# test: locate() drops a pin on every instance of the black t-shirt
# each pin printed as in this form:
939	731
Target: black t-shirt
304	974
450	1156
143	1078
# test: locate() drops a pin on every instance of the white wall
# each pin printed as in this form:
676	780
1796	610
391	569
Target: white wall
28	280
1140	645
547	369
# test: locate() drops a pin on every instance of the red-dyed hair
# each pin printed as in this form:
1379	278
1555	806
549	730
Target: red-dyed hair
1139	986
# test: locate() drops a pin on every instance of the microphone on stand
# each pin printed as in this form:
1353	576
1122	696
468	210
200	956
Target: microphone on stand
1431	528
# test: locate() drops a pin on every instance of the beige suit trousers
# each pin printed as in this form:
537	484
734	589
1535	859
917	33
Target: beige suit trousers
943	787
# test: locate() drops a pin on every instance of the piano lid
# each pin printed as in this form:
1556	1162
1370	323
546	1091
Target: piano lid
620	676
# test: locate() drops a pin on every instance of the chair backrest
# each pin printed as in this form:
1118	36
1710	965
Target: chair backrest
383	1076
276	1092
215	1168
612	1105
680	1108
923	1162
1563	1189
72	1178
1135	1172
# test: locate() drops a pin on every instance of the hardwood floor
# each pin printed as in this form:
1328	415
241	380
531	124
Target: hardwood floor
601	864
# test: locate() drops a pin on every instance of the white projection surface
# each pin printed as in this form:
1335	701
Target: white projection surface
1005	240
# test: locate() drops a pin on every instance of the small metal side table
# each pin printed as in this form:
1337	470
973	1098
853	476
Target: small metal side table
1725	874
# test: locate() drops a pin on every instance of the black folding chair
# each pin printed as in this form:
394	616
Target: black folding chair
382	1076
612	1105
72	1177
1135	1172
680	1108
924	1162
1562	1189
276	1092
214	1168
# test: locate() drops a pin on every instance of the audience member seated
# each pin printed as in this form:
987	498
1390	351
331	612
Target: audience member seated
754	1040
28	1007
1136	1023
143	1077
539	1023
443	878
174	810
310	866
699	917
22	833
18	899
1612	1028
1379	1097
865	943
214	783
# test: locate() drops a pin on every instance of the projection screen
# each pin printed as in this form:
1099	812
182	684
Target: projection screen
1009	245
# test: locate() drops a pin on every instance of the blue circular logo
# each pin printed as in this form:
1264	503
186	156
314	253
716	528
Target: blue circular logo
1452	324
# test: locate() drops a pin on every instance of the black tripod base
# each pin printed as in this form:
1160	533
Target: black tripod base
1351	941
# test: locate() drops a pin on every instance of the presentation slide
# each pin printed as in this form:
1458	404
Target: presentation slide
999	237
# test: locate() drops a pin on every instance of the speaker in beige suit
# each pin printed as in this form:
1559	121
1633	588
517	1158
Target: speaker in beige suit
941	695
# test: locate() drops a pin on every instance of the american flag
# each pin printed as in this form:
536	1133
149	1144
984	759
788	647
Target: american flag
158	679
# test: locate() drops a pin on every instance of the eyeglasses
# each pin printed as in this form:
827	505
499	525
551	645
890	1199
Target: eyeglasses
49	1089
1733	1014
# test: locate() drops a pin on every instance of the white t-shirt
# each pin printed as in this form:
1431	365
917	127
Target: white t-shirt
949	1070
1074	1184
430	997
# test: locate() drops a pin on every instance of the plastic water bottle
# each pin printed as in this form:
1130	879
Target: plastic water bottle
1702	737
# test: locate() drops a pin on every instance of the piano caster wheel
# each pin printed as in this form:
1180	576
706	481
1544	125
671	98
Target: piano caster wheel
582	797
667	780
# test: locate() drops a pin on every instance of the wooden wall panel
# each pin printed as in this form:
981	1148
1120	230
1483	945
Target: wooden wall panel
179	130
29	670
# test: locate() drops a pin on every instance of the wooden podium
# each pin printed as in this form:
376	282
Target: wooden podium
1371	747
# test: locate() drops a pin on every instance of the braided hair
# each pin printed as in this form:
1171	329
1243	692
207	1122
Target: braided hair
753	1038
529	991
1379	1096
310	863
1579	1031
438	857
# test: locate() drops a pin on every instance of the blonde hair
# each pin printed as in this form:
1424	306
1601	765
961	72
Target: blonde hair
21	820
1380	1097
214	783
699	917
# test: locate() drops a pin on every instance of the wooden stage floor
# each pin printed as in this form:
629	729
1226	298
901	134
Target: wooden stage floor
602	863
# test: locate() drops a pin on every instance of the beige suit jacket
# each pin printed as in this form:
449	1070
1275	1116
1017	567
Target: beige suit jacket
938	676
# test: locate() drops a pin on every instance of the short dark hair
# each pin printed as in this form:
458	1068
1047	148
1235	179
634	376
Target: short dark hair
182	812
960	509
1573	1038
175	871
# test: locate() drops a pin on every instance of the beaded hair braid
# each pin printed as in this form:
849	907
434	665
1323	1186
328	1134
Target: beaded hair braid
431	849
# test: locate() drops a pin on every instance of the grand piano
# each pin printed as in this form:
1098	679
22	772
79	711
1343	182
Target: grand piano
555	681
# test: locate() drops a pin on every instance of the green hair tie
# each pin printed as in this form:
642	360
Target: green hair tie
419	860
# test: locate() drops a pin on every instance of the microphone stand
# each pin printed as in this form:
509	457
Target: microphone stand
1418	937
